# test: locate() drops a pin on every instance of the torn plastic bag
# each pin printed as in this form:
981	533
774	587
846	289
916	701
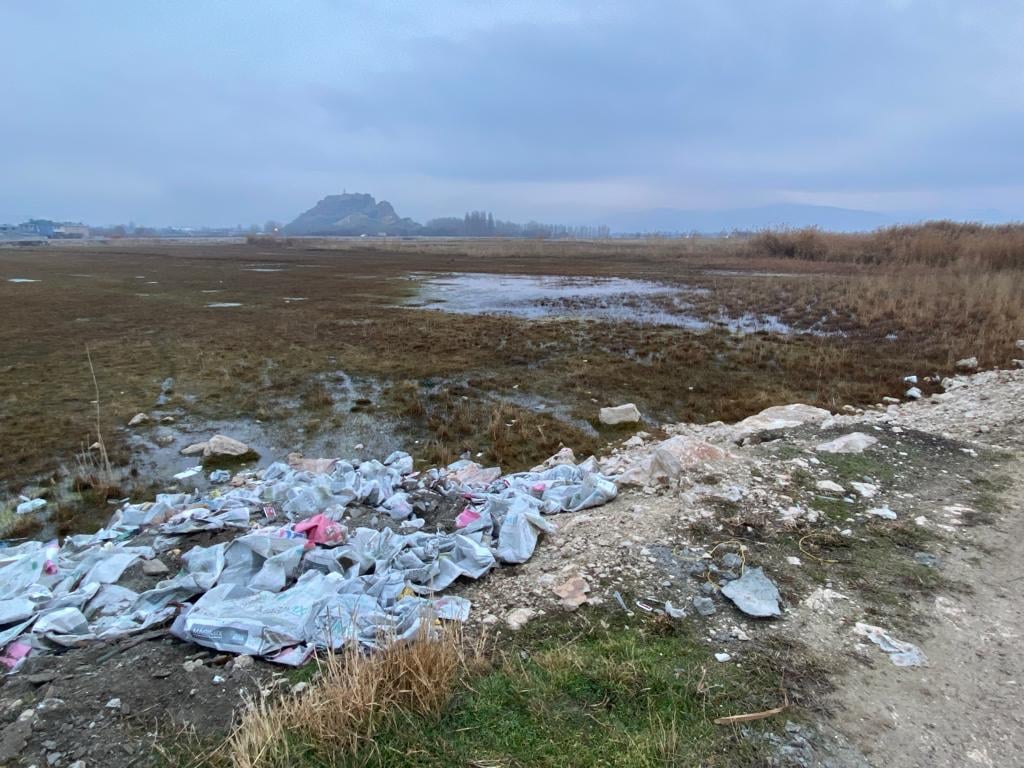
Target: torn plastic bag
63	621
16	609
397	506
517	537
242	620
24	566
205	564
451	608
261	562
322	530
399	461
203	519
110	600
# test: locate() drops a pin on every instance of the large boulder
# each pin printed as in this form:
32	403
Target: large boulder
627	413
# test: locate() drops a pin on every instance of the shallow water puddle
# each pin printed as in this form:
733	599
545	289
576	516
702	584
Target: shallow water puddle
599	298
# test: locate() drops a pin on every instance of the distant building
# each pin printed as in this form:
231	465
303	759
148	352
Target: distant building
70	232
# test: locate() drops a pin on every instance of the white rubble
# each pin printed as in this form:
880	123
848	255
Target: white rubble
627	413
854	442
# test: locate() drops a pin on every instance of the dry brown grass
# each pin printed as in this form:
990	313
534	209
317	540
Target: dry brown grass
353	696
933	244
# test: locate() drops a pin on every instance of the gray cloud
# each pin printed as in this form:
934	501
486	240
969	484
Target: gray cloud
246	113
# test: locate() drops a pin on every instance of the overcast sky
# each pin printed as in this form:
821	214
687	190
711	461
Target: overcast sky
226	112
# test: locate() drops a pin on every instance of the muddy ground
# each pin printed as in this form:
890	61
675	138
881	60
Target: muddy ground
330	351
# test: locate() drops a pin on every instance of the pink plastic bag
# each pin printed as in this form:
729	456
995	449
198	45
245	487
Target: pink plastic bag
320	529
466	517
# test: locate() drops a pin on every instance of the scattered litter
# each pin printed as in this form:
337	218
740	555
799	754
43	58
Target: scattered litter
295	577
189	473
222	304
865	490
914	393
753	593
219	476
902	653
673	612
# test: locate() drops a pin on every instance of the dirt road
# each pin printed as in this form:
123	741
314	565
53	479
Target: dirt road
963	709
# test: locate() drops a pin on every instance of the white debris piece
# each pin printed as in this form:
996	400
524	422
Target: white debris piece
902	653
854	442
627	413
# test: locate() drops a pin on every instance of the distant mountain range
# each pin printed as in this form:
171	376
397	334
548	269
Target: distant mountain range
673	220
360	214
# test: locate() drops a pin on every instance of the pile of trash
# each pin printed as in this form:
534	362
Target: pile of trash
292	574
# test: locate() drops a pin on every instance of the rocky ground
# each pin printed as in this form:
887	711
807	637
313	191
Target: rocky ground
912	535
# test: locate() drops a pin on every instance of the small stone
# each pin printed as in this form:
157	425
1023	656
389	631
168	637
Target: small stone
794	560
517	618
167	419
926	559
883	512
732	560
722	657
573	592
217	680
829	486
193	450
161	673
245	661
914	393
705	606
967	364
299	688
865	490
138	419
154	567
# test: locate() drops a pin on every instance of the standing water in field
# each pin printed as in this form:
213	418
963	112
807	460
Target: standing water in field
612	299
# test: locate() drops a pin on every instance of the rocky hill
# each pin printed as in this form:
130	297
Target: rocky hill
351	214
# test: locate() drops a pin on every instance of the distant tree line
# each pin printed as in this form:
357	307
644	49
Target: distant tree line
483	224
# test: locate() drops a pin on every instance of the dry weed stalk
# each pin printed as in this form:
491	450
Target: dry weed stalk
354	695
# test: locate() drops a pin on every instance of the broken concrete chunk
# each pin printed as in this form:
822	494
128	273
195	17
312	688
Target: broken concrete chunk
627	413
573	592
779	417
668	459
754	594
855	442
